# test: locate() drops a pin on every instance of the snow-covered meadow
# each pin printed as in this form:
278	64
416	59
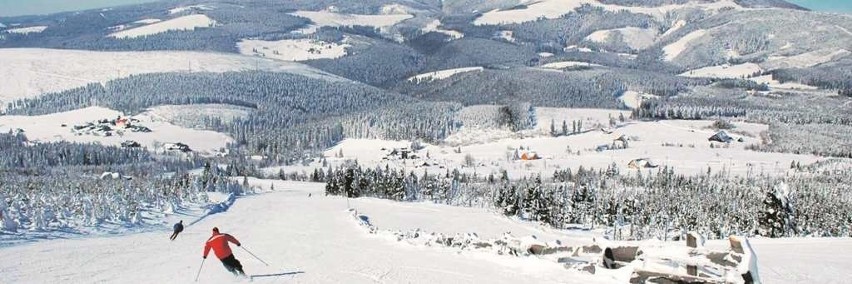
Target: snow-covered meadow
442	74
332	19
680	144
293	49
530	10
26	30
58	127
185	23
26	72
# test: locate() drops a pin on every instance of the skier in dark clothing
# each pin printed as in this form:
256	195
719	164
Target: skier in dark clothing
219	243
177	229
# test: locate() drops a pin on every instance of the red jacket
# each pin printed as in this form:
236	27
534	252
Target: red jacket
219	244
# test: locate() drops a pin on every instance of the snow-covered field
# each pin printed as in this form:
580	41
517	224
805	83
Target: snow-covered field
293	49
48	128
443	74
772	83
182	9
636	38
147	21
551	9
682	145
27	30
725	71
331	19
28	72
805	60
566	64
194	115
676	48
435	26
634	99
309	238
185	23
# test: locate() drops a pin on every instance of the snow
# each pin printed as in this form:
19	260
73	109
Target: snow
844	30
194	115
800	260
304	239
545	54
310	238
394	9
566	64
48	128
676	48
636	38
633	99
434	26
147	21
767	79
185	23
443	74
806	59
189	8
330	19
551	9
293	49
661	11
26	73
675	26
27	30
506	35
725	71
682	145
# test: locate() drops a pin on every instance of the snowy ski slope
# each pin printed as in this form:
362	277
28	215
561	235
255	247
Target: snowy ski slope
305	239
315	240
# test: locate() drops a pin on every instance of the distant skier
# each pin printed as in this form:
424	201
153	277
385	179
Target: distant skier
219	243
177	229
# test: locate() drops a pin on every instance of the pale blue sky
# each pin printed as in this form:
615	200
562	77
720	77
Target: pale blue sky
29	7
821	5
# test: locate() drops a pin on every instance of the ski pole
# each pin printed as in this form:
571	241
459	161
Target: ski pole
199	269
261	260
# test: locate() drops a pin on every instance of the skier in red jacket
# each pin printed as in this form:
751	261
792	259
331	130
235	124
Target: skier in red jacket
219	243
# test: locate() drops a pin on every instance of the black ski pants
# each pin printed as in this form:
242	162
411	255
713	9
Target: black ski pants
233	265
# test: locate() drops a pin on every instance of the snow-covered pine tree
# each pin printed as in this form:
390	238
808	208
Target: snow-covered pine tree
778	216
